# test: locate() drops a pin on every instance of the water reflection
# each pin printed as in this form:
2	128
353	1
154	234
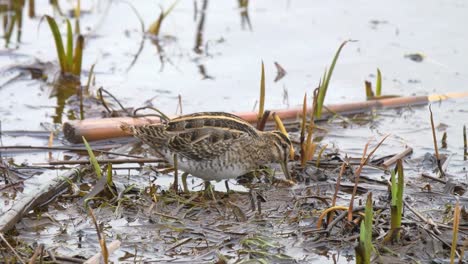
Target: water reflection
12	16
244	12
198	48
63	88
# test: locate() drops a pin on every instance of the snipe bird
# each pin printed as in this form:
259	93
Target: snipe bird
214	145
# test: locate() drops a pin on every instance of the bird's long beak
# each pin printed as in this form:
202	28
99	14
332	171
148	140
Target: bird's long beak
284	167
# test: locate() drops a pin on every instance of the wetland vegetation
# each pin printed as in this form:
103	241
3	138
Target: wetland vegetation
373	101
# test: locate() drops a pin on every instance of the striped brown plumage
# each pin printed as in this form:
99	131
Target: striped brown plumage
214	145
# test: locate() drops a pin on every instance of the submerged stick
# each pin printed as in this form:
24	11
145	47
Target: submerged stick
96	129
28	202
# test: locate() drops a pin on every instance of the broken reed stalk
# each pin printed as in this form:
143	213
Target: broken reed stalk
358	174
97	129
434	139
398	156
101	238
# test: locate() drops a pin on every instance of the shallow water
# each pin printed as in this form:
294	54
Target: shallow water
301	36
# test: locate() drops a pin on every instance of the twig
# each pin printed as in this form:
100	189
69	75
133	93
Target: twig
358	174
11	248
2	148
398	156
44	194
37	252
113	161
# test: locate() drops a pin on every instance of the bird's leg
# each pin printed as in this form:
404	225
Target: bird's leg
175	185
184	182
228	190
209	190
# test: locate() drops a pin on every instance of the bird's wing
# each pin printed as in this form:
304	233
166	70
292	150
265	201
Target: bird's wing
203	143
211	120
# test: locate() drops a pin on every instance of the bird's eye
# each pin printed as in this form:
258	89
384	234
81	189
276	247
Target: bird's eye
284	145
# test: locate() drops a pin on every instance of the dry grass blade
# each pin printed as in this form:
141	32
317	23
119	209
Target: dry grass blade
327	211
261	106
456	224
280	127
156	26
369	92
102	240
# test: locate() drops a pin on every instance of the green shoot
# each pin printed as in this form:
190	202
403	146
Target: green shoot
156	26
378	85
396	211
326	80
365	247
69	60
92	159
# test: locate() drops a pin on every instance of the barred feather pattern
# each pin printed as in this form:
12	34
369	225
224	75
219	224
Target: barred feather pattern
213	145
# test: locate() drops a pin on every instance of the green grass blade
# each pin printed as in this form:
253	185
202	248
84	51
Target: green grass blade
368	221
58	42
76	69
69	53
324	87
399	197
92	159
378	85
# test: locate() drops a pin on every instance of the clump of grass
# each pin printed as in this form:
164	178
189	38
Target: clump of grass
325	81
155	27
70	58
396	209
308	147
364	248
